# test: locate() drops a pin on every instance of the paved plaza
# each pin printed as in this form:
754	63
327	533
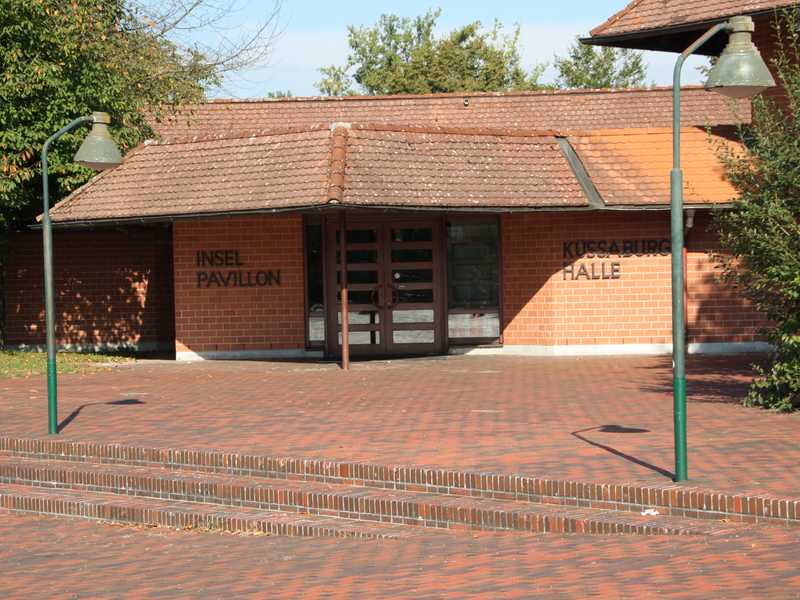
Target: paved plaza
587	419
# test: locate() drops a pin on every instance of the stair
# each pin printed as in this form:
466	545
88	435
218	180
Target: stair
160	496
284	496
117	508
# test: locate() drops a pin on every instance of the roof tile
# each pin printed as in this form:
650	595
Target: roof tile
501	153
533	111
643	15
632	167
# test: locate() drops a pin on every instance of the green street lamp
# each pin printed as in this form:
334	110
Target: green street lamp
739	73
98	152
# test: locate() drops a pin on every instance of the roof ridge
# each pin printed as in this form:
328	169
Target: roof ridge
448	130
502	94
338	159
630	130
615	17
238	135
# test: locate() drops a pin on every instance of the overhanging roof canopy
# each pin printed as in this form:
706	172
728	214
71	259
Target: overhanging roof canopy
396	167
674	25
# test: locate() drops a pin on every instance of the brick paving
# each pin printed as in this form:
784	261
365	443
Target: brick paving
602	420
606	420
55	559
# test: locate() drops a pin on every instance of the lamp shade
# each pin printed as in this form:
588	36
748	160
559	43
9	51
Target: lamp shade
740	71
99	151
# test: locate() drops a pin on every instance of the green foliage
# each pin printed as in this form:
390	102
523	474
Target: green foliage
590	67
279	94
60	60
762	232
335	82
401	56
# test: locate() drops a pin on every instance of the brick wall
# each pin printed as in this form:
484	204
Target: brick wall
108	290
615	300
235	305
764	37
113	291
714	312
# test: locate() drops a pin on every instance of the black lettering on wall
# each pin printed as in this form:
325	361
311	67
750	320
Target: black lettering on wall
627	248
569	268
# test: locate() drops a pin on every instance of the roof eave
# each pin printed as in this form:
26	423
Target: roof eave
674	38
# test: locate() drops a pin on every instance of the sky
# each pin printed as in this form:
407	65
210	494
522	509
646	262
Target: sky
315	36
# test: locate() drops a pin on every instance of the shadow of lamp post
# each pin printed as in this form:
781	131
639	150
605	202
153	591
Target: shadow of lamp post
739	73
98	152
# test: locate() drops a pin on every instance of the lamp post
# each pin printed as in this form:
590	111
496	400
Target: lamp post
98	152
739	73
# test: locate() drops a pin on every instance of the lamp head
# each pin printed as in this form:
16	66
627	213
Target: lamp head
99	151
740	71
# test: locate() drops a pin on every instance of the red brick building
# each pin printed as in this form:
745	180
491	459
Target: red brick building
529	223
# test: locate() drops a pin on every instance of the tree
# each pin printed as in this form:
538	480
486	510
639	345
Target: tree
60	60
589	67
231	40
140	63
761	231
401	56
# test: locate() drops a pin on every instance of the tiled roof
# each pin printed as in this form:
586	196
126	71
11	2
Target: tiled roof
277	169
392	167
632	167
454	168
561	110
644	15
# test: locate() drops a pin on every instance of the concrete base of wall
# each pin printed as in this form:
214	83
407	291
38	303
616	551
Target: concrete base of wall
99	347
248	354
613	349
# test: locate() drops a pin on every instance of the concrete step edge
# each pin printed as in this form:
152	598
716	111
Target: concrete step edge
188	515
679	500
109	506
264	494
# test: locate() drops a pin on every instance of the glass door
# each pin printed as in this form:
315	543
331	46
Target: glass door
395	292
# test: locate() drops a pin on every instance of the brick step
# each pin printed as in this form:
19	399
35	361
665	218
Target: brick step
677	500
356	503
98	506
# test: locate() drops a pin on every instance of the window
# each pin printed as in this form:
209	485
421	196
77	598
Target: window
473	281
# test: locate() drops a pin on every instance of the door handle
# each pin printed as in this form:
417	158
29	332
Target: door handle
372	297
396	291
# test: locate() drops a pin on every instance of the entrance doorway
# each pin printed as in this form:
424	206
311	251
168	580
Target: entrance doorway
394	283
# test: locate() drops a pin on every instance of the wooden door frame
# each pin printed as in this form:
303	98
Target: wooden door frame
330	222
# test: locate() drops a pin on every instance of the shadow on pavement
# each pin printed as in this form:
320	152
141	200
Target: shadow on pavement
628	457
74	414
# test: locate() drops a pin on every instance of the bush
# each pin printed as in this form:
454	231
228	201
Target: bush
760	234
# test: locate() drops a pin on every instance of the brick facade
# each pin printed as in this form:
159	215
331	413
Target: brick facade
616	300
241	308
765	39
239	287
110	290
